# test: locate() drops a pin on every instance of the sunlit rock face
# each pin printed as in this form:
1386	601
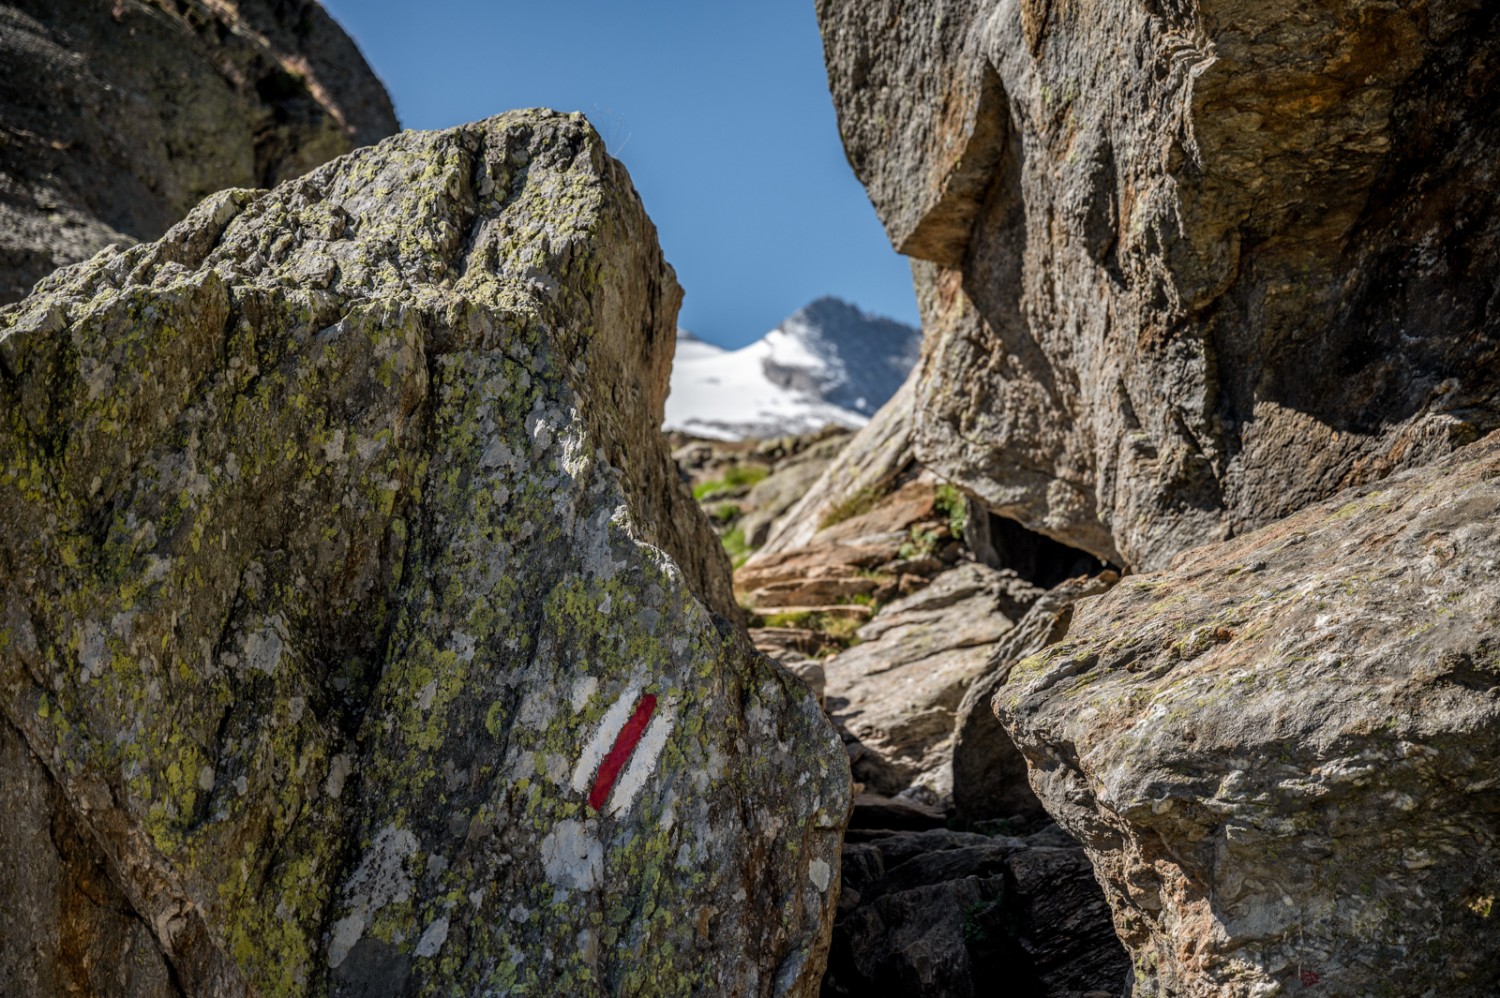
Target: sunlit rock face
1184	267
1280	753
355	631
119	117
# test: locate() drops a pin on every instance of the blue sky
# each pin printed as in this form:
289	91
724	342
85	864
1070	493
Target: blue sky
719	108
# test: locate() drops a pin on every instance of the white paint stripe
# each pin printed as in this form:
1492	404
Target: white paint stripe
603	740
643	762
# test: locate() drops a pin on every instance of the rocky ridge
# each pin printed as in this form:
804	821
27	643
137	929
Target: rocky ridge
827	364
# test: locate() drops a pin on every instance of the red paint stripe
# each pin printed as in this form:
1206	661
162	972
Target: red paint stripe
625	743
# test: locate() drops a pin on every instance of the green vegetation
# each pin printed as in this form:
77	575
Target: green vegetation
735	545
921	545
953	505
739	476
726	513
837	628
858	504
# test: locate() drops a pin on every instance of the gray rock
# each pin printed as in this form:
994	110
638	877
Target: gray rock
324	605
1280	753
788	482
989	772
868	466
117	118
1183	268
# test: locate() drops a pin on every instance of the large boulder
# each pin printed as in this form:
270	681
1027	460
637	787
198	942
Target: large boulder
1184	268
116	118
337	653
1281	753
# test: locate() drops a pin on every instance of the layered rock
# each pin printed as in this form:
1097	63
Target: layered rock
868	467
338	653
117	118
1184	267
898	690
1280	753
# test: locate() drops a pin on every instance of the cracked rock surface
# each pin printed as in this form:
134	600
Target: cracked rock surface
1184	266
1280	752
117	118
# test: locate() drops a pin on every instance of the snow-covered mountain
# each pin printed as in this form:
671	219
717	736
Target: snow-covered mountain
827	363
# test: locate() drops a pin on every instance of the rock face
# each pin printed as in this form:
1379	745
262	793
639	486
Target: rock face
989	772
336	653
117	118
1184	267
1280	753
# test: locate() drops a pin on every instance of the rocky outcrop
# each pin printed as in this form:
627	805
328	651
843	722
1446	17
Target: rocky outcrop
1184	267
117	118
337	652
1280	753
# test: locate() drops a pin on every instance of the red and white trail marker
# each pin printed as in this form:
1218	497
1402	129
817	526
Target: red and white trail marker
624	750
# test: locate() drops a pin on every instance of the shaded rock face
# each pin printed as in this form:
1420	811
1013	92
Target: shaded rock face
1280	753
989	772
117	118
953	913
1184	268
336	654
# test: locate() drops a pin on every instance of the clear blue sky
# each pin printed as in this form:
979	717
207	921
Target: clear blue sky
720	109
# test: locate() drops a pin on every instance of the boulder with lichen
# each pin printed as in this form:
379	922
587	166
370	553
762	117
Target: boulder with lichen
1280	752
342	649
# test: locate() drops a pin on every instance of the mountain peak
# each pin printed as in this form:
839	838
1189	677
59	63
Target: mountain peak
828	362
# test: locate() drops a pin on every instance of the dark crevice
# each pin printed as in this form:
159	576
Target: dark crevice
1003	543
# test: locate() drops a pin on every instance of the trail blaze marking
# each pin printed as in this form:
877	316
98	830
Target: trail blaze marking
625	743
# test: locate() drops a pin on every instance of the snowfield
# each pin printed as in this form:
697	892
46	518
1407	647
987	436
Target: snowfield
827	364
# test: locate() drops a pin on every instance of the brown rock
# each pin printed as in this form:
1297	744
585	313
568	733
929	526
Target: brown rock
1184	268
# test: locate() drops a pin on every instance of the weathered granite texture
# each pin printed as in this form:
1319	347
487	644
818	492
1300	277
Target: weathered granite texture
1281	753
116	118
322	598
1186	266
